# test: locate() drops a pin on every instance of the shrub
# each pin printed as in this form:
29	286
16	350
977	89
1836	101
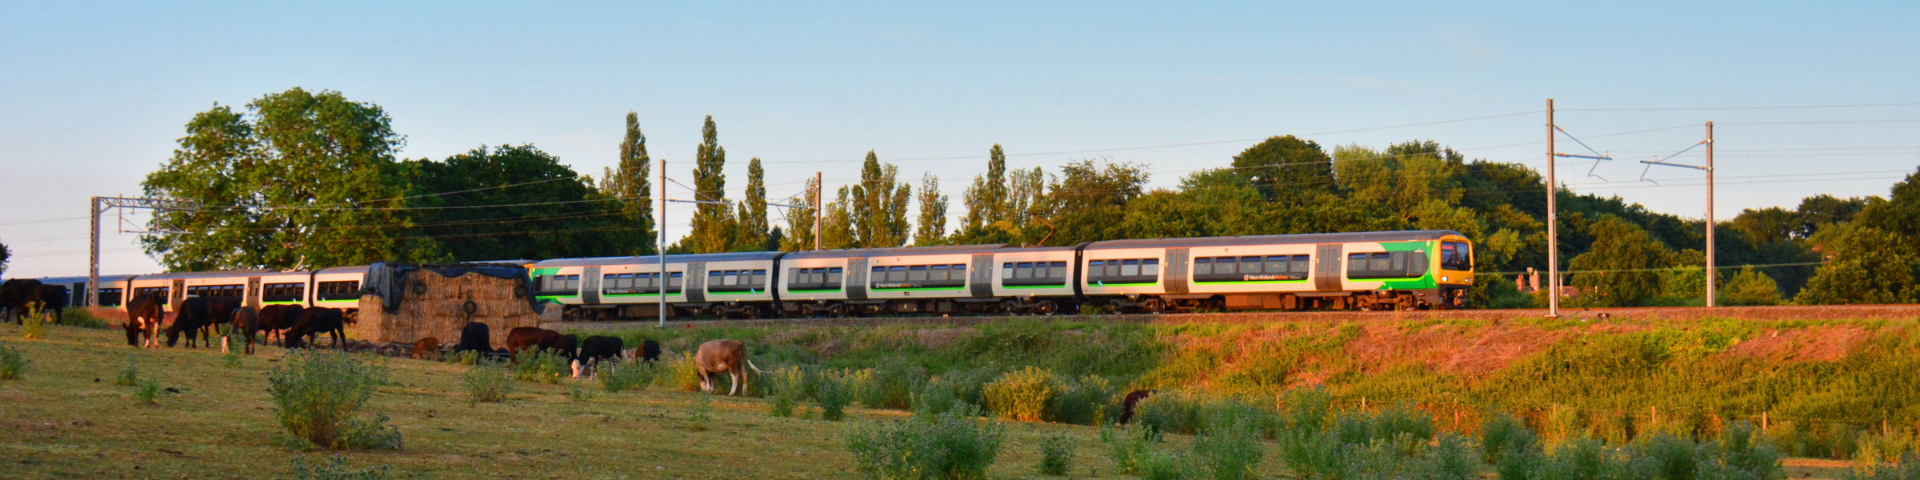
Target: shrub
891	386
543	366
34	324
82	318
577	394
789	387
1129	446
616	377
488	381
317	393
469	357
833	395
951	390
1230	448
683	373
1171	412
1907	469
12	362
129	372
1088	401
231	359
336	469
1021	395
1056	455
147	390
1454	458
1742	454
1165	465
1502	433
952	445
1671	457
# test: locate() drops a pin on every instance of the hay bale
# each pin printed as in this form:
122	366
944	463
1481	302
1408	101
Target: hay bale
435	305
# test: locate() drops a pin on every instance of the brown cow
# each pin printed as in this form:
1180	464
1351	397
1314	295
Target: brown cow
276	318
528	338
426	349
1131	404
144	316
724	356
246	321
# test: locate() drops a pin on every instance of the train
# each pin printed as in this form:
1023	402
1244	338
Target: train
1414	269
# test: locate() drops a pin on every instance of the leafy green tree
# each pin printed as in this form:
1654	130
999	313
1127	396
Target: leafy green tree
1750	287
751	234
5	255
800	222
879	207
1286	169
1090	202
1820	210
534	207
1864	265
631	184
1768	225
837	229
1620	269
713	223
302	177
987	198
933	213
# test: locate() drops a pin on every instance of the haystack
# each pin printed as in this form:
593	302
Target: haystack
405	303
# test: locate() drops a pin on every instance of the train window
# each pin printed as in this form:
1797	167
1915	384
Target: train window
958	272
1277	265
1250	265
1382	262
1059	270
1113	268
938	272
1023	270
1130	268
833	277
1202	266
1006	270
1399	262
759	278
675	280
897	274
1096	268
1226	266
1456	256
109	297
1300	264
1416	264
917	273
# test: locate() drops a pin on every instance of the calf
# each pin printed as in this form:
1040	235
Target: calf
426	349
313	322
144	316
246	321
192	317
595	349
724	356
275	318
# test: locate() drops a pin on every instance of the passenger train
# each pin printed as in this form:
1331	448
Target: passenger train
1366	270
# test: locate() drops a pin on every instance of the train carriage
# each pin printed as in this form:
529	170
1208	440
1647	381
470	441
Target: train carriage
723	284
1367	270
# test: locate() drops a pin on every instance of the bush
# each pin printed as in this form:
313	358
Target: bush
33	325
1056	455
316	394
1129	446
1021	395
1742	454
82	318
1165	465
1671	457
683	373
1230	448
147	390
1907	469
833	394
1089	401
952	445
543	366
789	387
129	373
1171	412
1503	433
336	469
488	381
616	377
469	357
891	386
12	362
951	390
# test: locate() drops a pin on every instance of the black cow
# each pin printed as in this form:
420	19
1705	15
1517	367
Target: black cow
313	322
649	351
276	318
595	349
54	300
220	310
16	295
193	316
475	337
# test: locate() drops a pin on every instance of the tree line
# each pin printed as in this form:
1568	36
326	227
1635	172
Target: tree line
311	179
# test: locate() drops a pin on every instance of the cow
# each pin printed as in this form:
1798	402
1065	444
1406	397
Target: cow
527	338
475	337
595	349
192	317
1131	403
649	351
54	300
276	318
724	356
246	322
16	295
426	349
220	312
145	313
312	323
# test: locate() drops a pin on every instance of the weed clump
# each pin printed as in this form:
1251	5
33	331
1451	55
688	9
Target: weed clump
1230	447
1056	455
618	377
146	390
316	394
543	365
1021	395
129	372
952	445
488	382
83	318
789	388
833	394
12	362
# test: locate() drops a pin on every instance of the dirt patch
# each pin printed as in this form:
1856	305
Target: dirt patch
1813	344
1497	347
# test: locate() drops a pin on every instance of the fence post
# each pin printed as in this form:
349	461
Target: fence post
1653	422
1764	424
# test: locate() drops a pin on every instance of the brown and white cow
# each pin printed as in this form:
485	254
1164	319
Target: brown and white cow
145	314
724	356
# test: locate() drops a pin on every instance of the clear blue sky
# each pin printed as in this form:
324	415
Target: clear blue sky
94	94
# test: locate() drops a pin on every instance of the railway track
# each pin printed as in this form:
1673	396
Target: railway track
1771	313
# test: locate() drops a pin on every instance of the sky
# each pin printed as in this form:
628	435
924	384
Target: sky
94	95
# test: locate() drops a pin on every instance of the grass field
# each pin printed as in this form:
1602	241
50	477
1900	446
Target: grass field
66	418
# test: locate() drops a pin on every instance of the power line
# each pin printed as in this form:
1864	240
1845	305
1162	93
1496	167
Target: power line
1775	107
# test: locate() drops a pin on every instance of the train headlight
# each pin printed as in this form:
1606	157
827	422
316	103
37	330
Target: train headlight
1445	279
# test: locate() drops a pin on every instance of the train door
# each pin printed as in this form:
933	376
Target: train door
178	292
590	286
695	287
1176	274
980	282
856	280
252	295
1326	267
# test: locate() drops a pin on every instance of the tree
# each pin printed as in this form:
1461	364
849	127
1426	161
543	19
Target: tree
537	207
933	213
1090	202
1865	265
302	177
880	205
1768	225
1286	169
713	228
631	185
5	255
987	198
800	221
1818	211
1750	287
837	229
1619	271
752	232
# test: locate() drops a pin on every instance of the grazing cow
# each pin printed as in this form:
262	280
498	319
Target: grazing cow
568	345
426	349
276	318
312	323
475	337
724	356
54	300
595	349
1132	401
144	316
526	338
193	317
649	351
220	310
16	295
246	322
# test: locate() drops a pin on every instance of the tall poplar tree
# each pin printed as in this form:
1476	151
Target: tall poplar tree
837	229
799	232
880	205
933	213
752	232
631	184
712	222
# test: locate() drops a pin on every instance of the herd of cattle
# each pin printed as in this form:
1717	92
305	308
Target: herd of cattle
19	295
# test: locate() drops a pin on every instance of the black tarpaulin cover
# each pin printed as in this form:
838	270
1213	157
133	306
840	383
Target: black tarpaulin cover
389	280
